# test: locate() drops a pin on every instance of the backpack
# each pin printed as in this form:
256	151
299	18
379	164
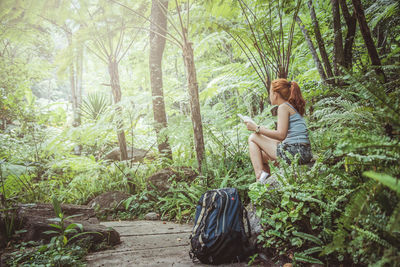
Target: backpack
218	234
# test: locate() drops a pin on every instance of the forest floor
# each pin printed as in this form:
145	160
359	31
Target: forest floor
148	243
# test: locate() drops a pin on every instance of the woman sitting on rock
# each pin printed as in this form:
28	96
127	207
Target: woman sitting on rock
291	134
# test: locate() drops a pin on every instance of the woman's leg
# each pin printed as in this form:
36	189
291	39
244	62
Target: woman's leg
265	160
258	144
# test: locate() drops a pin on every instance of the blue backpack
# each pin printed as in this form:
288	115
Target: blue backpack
218	234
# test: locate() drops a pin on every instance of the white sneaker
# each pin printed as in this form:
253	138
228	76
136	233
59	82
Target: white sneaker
263	177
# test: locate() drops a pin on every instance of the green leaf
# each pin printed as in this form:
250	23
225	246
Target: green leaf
385	179
55	226
312	250
309	237
305	258
73	226
57	206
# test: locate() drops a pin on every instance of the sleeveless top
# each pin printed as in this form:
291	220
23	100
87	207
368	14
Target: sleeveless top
297	131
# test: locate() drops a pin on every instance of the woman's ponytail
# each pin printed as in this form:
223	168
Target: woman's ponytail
290	91
296	99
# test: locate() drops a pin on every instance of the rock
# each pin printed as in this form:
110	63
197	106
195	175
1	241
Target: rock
255	225
35	219
151	216
273	182
108	202
160	178
135	154
287	265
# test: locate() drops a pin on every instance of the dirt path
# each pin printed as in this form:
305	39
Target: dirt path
148	243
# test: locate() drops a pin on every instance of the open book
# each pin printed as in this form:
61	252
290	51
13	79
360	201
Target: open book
245	118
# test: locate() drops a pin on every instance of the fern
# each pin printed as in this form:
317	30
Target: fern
302	257
309	237
371	236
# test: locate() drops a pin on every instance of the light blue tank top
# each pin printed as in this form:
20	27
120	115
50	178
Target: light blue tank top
297	131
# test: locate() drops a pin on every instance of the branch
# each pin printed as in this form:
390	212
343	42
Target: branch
99	56
147	19
165	11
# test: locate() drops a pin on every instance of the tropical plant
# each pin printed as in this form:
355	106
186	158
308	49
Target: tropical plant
94	105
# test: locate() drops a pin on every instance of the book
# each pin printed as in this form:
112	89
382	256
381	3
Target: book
245	119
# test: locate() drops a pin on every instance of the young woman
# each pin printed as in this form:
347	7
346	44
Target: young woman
291	134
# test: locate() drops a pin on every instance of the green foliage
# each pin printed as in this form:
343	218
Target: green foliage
385	179
94	105
343	210
34	254
327	213
60	251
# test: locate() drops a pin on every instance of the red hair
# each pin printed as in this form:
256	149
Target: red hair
289	91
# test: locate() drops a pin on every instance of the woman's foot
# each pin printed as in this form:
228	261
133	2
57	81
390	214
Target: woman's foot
263	177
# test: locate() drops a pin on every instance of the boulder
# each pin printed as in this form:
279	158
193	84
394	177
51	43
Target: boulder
108	202
255	225
35	219
273	182
161	177
134	154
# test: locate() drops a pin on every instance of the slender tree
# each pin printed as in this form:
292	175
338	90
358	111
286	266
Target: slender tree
338	50
274	48
369	42
182	40
68	25
313	51
320	41
351	23
109	37
158	28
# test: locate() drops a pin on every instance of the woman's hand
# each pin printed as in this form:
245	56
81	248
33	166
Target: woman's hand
251	126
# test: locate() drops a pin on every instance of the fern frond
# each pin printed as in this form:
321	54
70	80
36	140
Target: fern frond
371	236
308	237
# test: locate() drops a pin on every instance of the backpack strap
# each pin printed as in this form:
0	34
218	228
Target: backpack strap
203	208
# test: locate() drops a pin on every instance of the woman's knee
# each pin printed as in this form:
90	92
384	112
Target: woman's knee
252	137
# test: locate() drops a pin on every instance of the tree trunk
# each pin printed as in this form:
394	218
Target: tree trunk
72	82
320	42
312	50
157	44
351	22
116	91
78	92
79	81
338	51
194	102
366	33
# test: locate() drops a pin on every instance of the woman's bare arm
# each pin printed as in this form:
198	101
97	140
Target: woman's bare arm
283	124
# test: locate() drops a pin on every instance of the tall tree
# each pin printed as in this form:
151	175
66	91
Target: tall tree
320	41
272	41
369	42
110	36
338	50
313	51
68	25
351	22
158	28
182	40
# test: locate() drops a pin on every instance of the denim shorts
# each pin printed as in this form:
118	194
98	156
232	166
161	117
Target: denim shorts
303	149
